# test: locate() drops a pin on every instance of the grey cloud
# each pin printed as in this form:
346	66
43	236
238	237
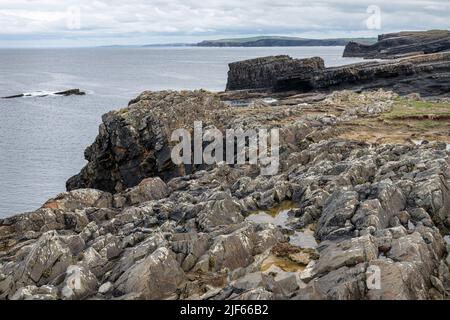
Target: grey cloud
27	19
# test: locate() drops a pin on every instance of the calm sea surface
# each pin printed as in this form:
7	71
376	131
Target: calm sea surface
42	139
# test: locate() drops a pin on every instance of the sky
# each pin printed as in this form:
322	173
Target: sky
67	23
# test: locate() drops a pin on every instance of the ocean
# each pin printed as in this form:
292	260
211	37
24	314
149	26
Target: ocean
42	139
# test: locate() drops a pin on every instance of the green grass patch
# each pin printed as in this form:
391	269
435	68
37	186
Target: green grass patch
405	108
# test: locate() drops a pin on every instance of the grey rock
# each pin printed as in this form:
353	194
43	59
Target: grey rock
148	189
339	208
48	258
347	253
105	288
341	284
79	283
36	293
155	277
261	73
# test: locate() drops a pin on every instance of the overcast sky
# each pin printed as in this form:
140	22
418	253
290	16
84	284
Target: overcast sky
85	22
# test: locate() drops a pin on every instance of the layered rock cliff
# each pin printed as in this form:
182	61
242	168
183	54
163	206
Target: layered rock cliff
393	45
362	199
262	73
134	143
428	75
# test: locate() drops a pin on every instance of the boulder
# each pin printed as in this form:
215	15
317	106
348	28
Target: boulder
426	74
149	189
339	209
347	253
79	283
155	277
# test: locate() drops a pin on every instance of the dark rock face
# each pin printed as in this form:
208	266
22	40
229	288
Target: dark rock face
428	75
133	143
262	73
70	92
403	43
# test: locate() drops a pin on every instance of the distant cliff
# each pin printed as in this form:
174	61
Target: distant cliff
262	73
281	42
394	45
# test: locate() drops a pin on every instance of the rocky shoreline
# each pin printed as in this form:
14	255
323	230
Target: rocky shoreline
428	75
360	208
395	45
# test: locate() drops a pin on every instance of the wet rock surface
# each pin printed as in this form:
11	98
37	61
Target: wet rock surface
379	211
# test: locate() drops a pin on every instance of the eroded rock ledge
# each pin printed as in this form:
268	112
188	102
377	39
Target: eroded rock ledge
393	45
369	200
428	75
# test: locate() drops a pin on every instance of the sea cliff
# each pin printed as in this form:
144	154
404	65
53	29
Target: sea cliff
394	45
359	209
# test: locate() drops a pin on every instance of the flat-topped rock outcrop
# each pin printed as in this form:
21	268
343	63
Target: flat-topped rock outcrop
262	73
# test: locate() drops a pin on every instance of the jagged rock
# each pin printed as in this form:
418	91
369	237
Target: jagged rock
400	44
341	284
237	249
78	284
256	294
155	277
41	220
93	262
189	247
423	74
251	281
339	209
132	255
398	281
376	203
36	293
261	73
220	210
80	199
148	189
46	260
431	192
347	253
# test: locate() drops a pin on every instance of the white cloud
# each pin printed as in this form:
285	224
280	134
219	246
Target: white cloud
153	20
